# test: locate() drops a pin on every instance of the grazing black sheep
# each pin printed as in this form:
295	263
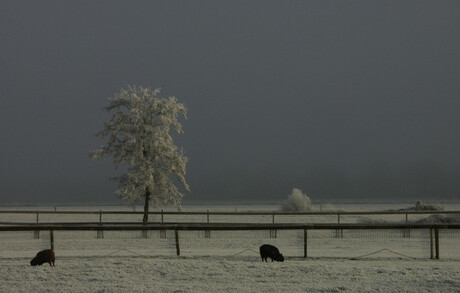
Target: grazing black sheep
270	251
43	256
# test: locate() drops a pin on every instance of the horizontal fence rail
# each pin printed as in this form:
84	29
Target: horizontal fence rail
432	230
217	226
314	233
277	213
339	215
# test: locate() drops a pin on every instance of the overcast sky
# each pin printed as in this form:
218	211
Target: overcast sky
342	99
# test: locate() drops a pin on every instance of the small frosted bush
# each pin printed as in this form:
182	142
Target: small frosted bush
296	202
421	206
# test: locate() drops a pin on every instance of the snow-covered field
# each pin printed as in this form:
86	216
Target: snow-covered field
235	274
228	261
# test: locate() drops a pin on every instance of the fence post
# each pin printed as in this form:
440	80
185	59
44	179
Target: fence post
273	231
431	244
436	239
338	222
207	233
37	232
100	233
338	232
52	239
176	234
145	233
305	234
162	232
407	231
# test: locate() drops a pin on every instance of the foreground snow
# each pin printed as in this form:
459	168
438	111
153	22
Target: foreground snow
229	274
123	261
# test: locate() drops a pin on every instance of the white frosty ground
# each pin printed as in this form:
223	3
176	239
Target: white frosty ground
229	274
226	261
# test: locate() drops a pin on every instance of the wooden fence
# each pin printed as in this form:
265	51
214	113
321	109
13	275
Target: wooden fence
176	227
208	214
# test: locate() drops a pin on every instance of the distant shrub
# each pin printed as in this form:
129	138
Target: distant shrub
421	206
438	219
296	202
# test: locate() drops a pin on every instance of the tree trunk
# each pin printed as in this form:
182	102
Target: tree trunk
146	205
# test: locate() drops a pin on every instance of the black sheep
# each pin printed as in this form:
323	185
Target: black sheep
43	256
270	251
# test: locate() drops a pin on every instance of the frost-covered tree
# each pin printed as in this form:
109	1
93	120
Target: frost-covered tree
138	137
297	201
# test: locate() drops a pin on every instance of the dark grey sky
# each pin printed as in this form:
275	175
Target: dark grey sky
343	99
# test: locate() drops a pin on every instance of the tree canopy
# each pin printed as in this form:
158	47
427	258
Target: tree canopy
139	137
